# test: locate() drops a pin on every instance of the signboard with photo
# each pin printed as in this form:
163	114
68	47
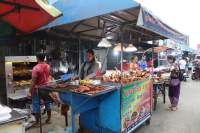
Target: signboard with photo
135	104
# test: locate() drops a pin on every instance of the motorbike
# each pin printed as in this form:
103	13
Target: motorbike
195	72
184	75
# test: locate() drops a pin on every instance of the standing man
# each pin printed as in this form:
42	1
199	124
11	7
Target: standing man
182	65
40	76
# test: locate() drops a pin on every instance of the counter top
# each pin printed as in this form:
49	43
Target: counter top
15	116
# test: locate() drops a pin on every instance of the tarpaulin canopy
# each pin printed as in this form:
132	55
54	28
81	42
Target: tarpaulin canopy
27	15
97	18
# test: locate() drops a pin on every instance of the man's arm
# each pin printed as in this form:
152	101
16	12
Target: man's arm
32	87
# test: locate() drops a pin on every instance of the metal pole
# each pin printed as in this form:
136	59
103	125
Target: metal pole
153	56
79	52
104	60
122	44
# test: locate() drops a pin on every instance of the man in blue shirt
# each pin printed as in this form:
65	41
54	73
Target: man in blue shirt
143	64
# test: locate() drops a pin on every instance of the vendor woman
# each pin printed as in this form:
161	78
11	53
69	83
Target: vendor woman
133	65
89	67
87	71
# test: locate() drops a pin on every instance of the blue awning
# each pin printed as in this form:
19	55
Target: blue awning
76	10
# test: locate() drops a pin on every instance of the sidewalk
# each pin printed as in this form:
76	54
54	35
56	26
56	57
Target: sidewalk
185	120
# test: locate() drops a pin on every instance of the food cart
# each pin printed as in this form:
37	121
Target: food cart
119	106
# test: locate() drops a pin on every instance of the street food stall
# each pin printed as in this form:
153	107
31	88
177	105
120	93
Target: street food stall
120	101
117	101
161	74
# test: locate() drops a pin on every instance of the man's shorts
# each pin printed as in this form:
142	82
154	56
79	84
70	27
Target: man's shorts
36	104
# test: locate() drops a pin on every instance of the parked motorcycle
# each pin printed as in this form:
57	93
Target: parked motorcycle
195	72
184	75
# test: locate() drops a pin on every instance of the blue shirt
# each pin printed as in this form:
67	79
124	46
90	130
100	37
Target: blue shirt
142	65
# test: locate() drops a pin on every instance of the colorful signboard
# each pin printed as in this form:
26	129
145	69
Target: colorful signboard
150	22
135	104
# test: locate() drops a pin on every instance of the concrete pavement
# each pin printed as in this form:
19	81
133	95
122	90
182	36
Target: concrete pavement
185	120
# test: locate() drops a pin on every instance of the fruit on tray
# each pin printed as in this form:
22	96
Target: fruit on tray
85	82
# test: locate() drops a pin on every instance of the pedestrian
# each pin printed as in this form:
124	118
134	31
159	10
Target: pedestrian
40	76
182	66
174	85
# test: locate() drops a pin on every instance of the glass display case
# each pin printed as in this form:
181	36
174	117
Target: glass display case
16	76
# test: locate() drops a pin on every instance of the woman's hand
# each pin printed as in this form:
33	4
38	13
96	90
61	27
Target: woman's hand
29	94
73	78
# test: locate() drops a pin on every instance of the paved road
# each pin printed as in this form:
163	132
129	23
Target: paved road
184	120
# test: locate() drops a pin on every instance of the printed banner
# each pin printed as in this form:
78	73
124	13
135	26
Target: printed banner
135	104
150	22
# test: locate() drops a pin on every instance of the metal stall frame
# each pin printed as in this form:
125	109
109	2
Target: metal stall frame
130	17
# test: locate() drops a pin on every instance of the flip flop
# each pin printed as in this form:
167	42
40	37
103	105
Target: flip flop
174	108
36	125
48	122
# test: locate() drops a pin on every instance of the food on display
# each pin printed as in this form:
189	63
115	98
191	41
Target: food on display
62	85
116	76
21	83
85	82
21	72
89	82
89	89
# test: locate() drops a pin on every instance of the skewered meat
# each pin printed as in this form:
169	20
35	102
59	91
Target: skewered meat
82	89
62	85
126	77
89	89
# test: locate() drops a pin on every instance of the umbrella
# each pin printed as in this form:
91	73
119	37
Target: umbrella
27	15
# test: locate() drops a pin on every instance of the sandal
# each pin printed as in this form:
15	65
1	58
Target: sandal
48	121
36	125
170	107
174	108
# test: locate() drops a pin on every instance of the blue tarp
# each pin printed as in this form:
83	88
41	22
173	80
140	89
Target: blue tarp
76	10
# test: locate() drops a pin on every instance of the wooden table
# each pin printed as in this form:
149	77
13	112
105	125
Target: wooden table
162	88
